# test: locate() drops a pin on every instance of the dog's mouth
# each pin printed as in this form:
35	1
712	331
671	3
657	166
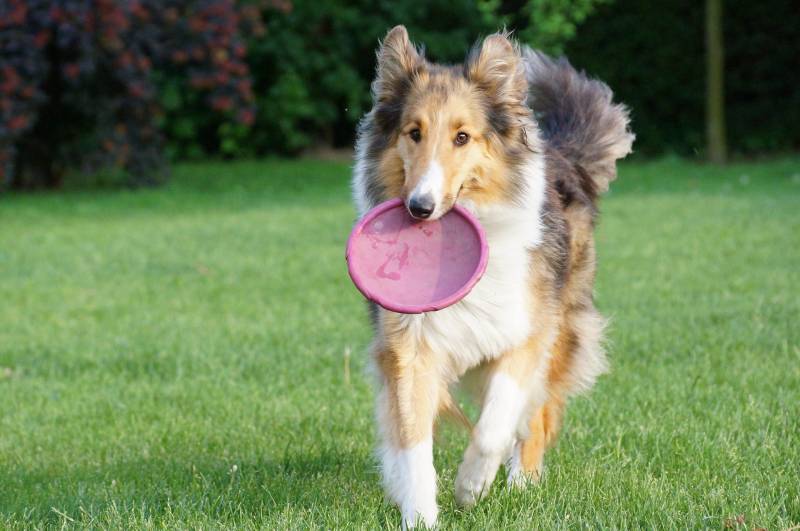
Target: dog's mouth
429	210
427	207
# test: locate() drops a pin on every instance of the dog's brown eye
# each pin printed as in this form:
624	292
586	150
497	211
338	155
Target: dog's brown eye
415	134
461	138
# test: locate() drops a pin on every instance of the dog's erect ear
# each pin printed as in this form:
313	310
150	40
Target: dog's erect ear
397	61
496	66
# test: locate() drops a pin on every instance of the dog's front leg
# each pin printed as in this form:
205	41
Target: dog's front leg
407	403
515	384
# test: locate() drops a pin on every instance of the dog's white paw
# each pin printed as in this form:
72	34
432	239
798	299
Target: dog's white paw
424	514
517	476
519	479
418	505
475	476
410	482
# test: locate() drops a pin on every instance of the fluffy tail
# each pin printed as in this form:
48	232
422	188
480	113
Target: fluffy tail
577	117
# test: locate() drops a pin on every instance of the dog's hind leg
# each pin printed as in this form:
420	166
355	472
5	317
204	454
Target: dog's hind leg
516	383
407	403
577	360
526	462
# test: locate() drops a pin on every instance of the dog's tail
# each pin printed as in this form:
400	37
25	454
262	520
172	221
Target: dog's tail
577	116
453	411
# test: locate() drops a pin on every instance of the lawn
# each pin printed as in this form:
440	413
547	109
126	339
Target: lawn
174	358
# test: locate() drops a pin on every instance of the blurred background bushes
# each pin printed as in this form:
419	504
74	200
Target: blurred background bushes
653	55
90	85
120	86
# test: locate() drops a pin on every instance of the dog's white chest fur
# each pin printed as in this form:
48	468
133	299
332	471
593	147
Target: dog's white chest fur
496	315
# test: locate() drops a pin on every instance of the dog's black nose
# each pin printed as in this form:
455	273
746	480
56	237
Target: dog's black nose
421	207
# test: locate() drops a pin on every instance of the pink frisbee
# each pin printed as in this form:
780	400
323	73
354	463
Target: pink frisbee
411	266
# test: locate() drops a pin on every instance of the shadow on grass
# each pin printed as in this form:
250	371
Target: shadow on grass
164	490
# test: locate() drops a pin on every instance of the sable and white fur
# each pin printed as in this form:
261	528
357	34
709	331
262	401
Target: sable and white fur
541	143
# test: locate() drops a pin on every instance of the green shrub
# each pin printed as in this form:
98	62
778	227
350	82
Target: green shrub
313	70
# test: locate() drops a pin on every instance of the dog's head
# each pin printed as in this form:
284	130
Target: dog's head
448	132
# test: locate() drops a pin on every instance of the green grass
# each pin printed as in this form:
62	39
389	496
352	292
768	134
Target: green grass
174	358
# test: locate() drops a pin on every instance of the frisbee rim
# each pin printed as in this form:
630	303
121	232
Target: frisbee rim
431	306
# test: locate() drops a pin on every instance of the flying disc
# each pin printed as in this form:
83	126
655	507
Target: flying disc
412	266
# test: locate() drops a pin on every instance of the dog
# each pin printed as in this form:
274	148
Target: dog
527	144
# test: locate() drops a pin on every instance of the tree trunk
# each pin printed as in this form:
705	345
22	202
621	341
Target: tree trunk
715	86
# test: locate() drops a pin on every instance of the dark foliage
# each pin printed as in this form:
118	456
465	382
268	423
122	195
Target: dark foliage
652	54
80	81
109	84
313	70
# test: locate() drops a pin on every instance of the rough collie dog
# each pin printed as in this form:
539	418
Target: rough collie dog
527	144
